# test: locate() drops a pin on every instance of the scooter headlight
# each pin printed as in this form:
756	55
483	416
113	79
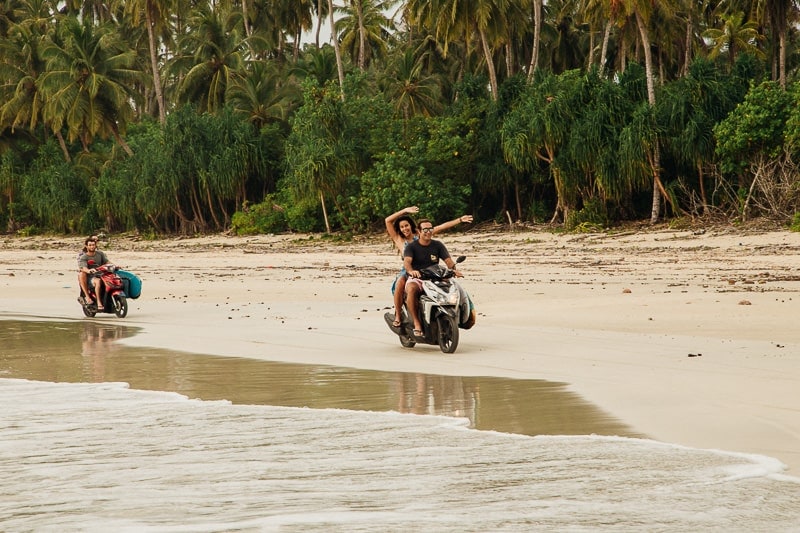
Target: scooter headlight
444	298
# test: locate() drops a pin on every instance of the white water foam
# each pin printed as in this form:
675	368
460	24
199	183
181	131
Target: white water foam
101	457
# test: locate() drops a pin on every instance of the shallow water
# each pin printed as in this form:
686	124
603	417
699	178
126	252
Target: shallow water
81	452
85	351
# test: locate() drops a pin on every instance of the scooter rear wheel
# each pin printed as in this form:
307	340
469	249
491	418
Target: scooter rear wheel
407	342
120	305
88	310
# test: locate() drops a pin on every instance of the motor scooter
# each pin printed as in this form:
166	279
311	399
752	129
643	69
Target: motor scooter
114	299
444	307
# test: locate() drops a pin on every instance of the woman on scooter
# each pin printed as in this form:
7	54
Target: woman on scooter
87	263
402	230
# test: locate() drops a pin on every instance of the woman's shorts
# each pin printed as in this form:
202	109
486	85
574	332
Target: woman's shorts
401	274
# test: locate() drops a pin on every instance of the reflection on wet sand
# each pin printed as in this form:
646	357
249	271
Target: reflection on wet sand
86	351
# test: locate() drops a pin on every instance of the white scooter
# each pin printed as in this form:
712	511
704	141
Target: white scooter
444	307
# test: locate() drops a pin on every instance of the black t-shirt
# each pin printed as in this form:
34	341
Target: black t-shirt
424	256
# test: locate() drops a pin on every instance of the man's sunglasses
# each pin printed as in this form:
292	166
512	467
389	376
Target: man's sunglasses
426	230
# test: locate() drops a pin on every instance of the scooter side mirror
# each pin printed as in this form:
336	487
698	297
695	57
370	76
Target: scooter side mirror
461	258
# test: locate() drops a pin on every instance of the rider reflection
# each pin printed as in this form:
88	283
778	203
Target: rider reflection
97	341
425	394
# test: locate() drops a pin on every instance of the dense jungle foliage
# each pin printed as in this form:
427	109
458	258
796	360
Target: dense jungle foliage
181	116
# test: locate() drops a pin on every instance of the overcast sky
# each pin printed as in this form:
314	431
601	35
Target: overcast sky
325	33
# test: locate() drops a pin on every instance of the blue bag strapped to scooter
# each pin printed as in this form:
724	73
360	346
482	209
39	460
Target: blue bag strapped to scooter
132	284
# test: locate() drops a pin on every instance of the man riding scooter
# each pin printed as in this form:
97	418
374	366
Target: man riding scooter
419	255
87	264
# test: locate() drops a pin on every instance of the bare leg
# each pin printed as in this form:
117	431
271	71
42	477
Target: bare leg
82	281
97	292
399	294
412	300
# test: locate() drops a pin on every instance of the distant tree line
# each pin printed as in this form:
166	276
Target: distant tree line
182	116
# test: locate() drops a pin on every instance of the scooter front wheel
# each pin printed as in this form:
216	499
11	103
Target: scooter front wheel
120	305
448	333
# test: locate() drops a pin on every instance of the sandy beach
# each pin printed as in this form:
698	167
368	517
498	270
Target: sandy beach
688	336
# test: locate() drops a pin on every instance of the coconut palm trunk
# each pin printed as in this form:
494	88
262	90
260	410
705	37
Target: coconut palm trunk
655	212
151	39
337	50
362	36
537	30
487	51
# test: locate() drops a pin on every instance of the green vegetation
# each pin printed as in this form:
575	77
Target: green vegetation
191	117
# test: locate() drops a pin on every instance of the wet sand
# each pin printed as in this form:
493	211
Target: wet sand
90	352
685	336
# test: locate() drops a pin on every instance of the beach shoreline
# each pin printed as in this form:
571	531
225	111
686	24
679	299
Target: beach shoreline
687	336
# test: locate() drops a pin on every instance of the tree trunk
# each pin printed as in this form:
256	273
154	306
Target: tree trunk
151	38
120	140
489	64
655	212
63	146
604	49
210	203
687	55
702	185
247	30
782	57
537	31
324	212
335	38
362	36
319	21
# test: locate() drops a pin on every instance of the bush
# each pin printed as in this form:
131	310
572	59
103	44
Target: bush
305	216
593	217
265	217
795	225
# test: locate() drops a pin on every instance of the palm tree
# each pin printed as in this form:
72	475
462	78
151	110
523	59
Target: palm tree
261	95
21	64
782	15
363	29
321	9
8	16
537	35
735	36
212	58
460	20
565	36
411	90
294	17
337	49
642	11
88	82
156	15
317	63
